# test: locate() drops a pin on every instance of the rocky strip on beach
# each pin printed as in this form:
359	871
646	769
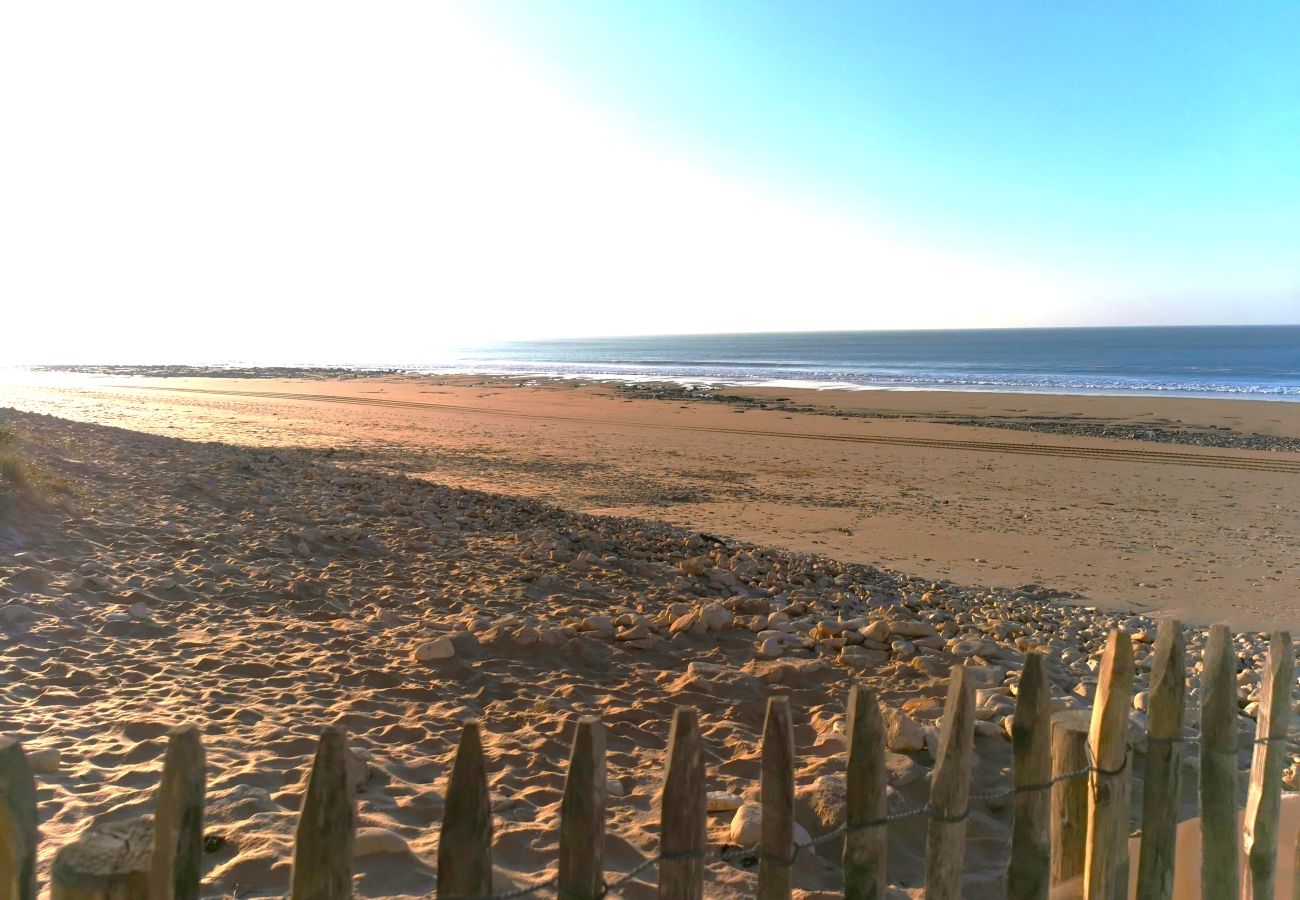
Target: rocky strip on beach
264	593
1209	436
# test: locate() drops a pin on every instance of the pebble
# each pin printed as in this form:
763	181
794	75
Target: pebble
372	841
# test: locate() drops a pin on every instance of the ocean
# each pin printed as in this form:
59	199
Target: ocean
1248	361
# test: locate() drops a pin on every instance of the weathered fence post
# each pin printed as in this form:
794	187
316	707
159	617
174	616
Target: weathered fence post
683	811
177	865
1029	872
1069	797
582	815
1105	871
1218	775
1264	799
322	851
865	848
1163	764
777	794
950	792
465	842
18	835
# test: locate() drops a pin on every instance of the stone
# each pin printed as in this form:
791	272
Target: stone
614	787
877	631
971	647
637	632
747	825
602	624
901	733
682	623
16	614
909	628
771	648
721	801
372	841
716	617
861	659
44	762
438	648
903	770
139	612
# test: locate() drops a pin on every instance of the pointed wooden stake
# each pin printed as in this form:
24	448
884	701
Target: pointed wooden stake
945	845
582	815
1163	764
177	865
1220	837
465	844
1029	872
777	795
683	811
1264	798
864	849
18	835
322	854
1105	872
1069	797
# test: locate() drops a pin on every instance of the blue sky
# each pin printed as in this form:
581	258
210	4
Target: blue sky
301	181
1158	143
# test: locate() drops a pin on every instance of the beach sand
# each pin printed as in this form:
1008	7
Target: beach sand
1205	533
265	565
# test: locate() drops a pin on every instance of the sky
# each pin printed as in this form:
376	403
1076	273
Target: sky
326	182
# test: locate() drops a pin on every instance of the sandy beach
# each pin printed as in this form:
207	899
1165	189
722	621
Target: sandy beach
263	558
1164	525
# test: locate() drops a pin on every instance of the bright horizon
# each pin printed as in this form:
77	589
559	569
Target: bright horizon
293	181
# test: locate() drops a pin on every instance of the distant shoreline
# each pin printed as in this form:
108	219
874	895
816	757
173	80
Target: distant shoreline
680	382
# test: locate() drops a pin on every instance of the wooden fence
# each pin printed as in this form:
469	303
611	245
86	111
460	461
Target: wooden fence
1070	786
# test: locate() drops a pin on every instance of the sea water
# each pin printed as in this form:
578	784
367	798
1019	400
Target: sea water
1248	361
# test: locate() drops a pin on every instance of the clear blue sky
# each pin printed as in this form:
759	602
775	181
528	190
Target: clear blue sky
305	181
1155	143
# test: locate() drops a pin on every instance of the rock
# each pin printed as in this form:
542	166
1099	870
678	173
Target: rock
770	648
636	633
44	762
860	658
614	787
373	841
747	825
908	628
682	623
1141	699
827	797
438	648
903	770
16	614
877	631
716	617
721	801
139	612
971	647
602	624
901	733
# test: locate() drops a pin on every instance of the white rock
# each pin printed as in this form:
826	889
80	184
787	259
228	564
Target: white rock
682	623
374	841
139	611
747	825
614	787
721	801
877	631
901	733
438	648
770	648
716	617
603	624
909	628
